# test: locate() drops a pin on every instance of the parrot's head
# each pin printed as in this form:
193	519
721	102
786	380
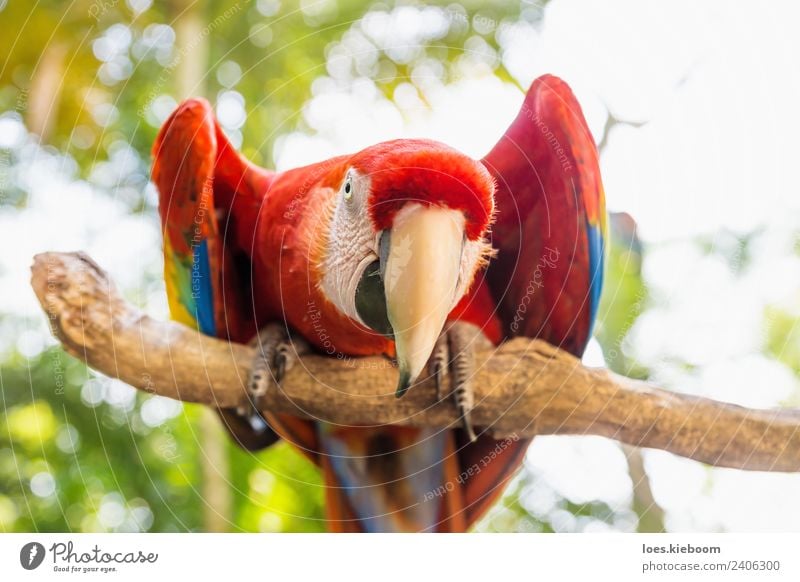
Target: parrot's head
407	236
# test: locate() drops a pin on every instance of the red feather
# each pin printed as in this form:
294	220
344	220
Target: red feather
428	172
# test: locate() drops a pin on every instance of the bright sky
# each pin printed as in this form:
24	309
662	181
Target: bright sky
717	84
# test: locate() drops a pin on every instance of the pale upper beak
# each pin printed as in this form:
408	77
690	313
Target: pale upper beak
421	261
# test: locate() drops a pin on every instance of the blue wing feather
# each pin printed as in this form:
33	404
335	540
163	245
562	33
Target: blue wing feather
202	289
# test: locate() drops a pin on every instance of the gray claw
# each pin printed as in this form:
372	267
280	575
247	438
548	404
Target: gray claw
438	364
461	337
466	423
438	377
453	354
282	356
275	355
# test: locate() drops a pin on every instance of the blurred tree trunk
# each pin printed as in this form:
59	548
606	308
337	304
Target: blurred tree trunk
192	63
651	516
191	42
216	471
45	91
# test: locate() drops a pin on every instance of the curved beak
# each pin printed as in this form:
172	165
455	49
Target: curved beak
421	261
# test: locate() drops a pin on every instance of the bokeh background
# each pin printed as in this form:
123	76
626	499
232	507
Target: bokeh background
694	108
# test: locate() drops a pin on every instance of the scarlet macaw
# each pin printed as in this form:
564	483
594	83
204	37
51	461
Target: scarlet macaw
406	249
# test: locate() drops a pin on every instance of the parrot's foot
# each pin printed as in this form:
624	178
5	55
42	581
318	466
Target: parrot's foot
454	355
276	353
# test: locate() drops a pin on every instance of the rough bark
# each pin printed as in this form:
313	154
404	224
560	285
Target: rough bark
524	387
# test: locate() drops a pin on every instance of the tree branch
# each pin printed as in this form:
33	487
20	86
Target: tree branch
523	388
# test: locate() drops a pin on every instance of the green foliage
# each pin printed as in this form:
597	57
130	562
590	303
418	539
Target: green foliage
277	490
86	453
782	336
624	294
118	68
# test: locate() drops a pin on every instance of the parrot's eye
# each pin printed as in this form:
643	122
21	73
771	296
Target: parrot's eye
348	187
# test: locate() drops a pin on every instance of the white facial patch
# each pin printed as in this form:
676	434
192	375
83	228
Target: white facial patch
352	244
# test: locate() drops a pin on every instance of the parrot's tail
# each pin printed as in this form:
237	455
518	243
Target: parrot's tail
402	479
391	479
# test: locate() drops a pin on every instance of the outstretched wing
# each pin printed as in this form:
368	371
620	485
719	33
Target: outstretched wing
546	279
209	198
551	225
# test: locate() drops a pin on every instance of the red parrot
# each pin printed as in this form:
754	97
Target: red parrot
407	248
